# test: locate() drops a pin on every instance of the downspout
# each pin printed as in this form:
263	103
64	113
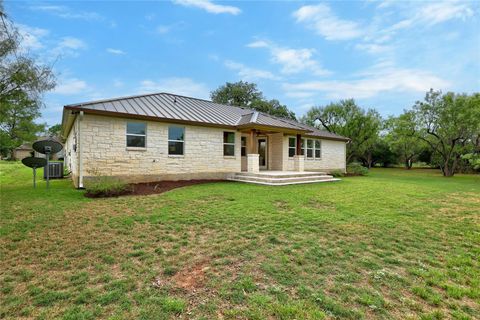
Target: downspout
80	155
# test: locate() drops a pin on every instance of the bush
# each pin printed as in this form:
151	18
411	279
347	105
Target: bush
337	173
356	169
106	187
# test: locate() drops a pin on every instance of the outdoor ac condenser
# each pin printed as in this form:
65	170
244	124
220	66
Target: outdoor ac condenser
56	170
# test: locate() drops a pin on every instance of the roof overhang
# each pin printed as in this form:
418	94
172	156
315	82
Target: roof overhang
261	127
73	110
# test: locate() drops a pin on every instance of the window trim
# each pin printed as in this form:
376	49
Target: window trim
294	147
305	148
135	135
182	141
315	149
229	143
242	147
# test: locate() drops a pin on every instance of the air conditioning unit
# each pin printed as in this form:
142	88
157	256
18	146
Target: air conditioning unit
55	170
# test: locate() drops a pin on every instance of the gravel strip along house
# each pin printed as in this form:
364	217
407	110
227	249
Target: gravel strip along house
164	136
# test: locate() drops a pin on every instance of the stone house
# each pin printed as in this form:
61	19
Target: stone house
165	136
26	150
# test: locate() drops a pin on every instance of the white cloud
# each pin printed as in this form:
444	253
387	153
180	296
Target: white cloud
321	19
118	83
438	12
183	86
373	48
67	13
70	86
116	51
163	29
249	74
69	46
372	82
209	6
258	44
72	43
292	60
31	37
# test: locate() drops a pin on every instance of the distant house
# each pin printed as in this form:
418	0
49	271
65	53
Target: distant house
26	150
171	137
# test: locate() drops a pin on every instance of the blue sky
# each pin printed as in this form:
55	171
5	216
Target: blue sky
385	54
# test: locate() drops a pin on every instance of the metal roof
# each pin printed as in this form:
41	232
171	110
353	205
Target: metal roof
181	108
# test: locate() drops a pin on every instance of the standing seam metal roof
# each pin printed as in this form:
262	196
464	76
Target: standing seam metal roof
176	107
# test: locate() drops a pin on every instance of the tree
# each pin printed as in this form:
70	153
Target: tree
240	94
273	107
403	137
450	125
22	82
54	131
347	119
246	95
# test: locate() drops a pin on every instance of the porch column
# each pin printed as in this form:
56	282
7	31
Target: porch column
252	145
299	145
253	164
298	159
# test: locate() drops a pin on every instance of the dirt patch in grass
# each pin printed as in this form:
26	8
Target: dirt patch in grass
152	188
191	278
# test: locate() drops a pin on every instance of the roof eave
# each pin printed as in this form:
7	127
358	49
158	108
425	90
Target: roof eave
145	117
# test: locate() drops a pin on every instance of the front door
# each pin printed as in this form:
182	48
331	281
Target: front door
262	152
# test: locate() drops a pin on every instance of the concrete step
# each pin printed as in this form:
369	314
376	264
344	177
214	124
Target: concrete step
280	174
278	179
277	183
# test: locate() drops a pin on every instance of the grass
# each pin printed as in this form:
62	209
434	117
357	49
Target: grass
394	244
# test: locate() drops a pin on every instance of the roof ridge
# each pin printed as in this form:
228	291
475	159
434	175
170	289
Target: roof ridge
114	99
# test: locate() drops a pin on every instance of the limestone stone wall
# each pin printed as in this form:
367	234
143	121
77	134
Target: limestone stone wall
105	152
71	152
332	157
275	151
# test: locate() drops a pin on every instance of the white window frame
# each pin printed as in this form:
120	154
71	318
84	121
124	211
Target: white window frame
182	141
229	143
294	147
307	148
315	149
243	138
135	135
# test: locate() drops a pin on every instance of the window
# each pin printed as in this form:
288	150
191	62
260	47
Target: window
136	134
318	150
244	146
228	143
310	148
176	139
292	146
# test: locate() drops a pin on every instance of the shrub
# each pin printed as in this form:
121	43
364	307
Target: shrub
337	173
356	169
106	187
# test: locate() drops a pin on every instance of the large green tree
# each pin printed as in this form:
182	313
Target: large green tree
450	124
403	138
23	80
346	118
247	95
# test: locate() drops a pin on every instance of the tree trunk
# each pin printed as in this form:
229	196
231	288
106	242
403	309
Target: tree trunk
447	170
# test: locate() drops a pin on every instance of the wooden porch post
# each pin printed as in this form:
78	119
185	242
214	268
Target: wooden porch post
253	146
299	145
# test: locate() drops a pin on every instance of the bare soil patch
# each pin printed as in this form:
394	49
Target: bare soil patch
152	188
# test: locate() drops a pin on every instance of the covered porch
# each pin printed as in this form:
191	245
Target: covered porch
267	149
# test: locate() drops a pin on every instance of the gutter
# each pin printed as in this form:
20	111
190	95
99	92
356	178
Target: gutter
80	154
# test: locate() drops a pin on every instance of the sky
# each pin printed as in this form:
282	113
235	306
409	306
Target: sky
384	54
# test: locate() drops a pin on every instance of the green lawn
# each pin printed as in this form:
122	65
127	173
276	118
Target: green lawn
395	244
